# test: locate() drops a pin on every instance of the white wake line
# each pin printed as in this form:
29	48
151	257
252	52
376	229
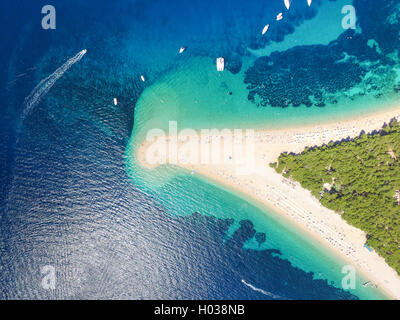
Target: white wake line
45	85
269	294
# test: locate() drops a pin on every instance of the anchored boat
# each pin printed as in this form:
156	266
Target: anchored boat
220	64
265	29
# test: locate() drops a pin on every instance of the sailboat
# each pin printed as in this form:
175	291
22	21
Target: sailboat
287	4
265	29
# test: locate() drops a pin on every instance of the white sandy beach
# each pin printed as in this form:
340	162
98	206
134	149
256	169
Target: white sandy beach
288	198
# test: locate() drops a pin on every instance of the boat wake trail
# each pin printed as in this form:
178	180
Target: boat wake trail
45	85
269	294
37	93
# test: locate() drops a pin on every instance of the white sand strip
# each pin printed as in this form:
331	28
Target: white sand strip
288	198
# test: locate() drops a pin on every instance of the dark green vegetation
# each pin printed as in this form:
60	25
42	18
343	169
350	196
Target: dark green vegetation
363	176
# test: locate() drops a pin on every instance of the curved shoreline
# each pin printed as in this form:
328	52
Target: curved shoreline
272	190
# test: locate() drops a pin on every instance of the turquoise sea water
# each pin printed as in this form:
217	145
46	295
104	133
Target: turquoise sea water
195	95
72	194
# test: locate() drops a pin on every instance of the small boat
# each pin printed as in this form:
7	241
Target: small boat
287	4
181	50
370	284
279	16
309	2
115	101
265	29
142	77
220	64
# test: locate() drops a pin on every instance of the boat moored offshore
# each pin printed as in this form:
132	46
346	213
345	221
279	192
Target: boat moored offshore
265	29
220	64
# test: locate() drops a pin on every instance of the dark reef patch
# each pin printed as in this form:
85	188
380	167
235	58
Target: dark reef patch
275	275
316	75
290	78
233	63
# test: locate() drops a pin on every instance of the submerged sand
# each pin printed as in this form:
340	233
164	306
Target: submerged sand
285	196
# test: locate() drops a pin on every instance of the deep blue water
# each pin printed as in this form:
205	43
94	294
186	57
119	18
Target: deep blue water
65	196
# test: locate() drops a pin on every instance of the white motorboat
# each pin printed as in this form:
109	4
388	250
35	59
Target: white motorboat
115	101
309	2
279	16
142	77
181	50
265	29
220	64
287	4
